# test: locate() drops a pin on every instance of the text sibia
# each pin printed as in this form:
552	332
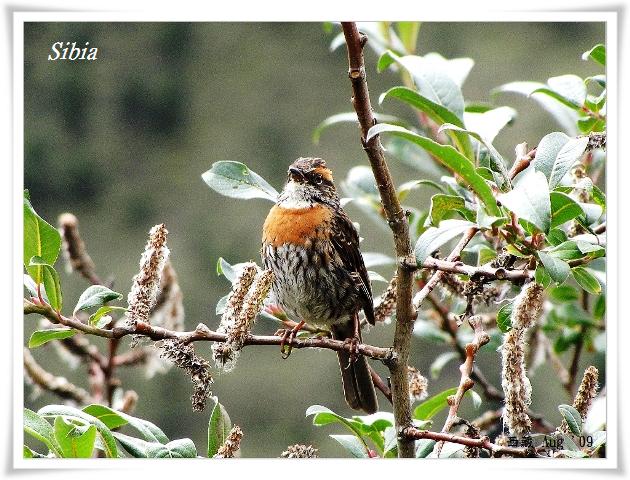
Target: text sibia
71	52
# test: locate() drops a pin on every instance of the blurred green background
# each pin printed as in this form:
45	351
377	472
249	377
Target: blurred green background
122	142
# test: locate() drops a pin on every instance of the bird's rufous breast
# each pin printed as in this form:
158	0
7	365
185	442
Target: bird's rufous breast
295	225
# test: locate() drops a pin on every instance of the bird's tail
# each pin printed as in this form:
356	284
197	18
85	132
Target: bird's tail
358	387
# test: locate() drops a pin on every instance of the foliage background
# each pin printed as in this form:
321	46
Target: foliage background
121	142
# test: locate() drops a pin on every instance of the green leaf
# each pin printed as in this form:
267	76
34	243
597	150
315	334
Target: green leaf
568	155
597	54
115	419
567	89
450	157
350	117
236	180
41	337
325	416
50	279
27	452
556	236
430	407
442	204
563	209
599	197
440	362
547	151
40	240
96	316
566	251
565	116
40	429
530	200
433	82
352	444
541	276
424	447
219	427
74	441
488	122
558	269
182	448
586	280
108	442
564	293
408	33
436	112
434	237
572	417
504	317
497	164
95	296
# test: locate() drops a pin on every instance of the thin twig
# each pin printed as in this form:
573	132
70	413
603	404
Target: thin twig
466	383
397	220
203	333
483	442
485	271
380	384
51	383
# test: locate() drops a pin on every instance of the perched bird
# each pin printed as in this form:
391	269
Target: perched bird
312	248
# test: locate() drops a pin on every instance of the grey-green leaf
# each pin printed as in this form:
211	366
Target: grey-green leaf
95	296
530	200
236	180
219	427
563	209
114	419
568	155
40	429
572	417
504	317
558	269
434	237
547	151
587	280
450	157
352	444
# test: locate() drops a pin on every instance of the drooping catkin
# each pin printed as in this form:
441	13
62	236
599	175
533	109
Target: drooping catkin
585	395
418	385
146	283
300	451
242	306
387	305
184	357
526	309
232	443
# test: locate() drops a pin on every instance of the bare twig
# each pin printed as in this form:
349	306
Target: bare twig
466	383
203	333
397	221
483	271
380	384
57	385
483	442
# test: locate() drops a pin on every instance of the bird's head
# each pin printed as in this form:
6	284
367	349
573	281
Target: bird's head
309	181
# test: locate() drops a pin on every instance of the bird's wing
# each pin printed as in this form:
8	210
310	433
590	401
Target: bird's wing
345	241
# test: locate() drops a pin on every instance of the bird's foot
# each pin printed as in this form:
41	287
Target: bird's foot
353	347
288	336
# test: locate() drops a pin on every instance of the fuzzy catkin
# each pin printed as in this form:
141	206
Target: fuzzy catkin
585	395
526	310
146	283
300	451
232	443
418	385
242	306
386	307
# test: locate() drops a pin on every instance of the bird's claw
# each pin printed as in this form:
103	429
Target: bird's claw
288	336
353	347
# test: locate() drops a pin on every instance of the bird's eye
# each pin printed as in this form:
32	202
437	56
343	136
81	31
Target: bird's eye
318	179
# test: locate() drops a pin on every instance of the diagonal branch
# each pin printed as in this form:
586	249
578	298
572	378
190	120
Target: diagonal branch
397	220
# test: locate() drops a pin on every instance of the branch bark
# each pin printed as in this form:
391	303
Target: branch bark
397	220
204	334
484	271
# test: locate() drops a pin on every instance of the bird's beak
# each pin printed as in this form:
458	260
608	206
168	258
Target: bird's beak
296	174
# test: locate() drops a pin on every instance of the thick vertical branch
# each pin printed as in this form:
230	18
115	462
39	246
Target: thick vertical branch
396	218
